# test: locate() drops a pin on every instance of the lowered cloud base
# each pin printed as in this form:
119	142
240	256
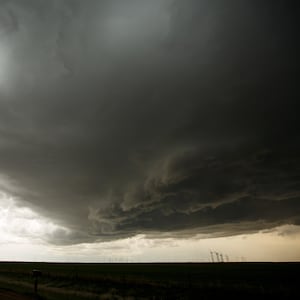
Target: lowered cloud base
165	119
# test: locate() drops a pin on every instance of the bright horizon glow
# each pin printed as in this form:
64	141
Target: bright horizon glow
22	224
23	231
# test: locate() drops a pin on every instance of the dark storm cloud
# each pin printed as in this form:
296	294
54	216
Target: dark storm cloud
122	117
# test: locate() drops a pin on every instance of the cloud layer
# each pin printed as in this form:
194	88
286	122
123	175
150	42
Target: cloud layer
170	117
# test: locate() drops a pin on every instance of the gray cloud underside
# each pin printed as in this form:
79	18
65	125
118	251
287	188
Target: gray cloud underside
126	117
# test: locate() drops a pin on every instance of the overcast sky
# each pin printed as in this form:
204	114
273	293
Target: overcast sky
167	122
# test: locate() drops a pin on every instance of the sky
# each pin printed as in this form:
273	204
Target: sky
145	130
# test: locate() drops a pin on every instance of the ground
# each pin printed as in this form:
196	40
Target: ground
9	295
150	281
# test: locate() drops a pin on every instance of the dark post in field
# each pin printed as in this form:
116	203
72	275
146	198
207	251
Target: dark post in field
36	274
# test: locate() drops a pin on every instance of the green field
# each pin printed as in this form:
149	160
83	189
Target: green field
154	281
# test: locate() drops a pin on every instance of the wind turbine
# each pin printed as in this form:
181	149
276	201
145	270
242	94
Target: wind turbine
212	256
221	257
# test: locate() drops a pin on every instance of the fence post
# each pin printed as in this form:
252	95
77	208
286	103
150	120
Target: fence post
36	274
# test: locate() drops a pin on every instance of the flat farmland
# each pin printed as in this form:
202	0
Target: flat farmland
150	280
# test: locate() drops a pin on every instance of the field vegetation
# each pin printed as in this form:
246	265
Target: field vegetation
153	281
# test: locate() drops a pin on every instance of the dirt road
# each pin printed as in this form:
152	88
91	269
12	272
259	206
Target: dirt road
9	295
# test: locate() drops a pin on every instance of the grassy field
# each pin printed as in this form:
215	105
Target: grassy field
154	281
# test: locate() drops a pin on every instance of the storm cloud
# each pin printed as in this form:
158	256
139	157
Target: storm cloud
156	117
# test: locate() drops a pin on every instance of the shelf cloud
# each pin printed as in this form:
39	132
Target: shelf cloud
161	117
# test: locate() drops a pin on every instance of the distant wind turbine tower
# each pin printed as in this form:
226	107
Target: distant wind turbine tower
212	256
221	257
218	257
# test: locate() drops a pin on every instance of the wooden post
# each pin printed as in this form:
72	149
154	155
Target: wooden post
35	285
36	274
